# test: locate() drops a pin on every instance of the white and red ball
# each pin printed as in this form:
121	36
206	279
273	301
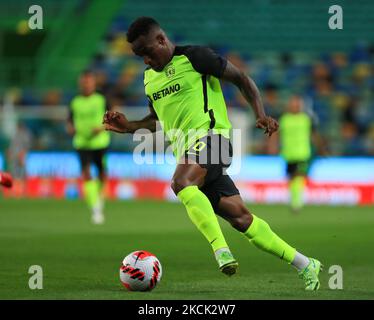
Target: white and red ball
140	271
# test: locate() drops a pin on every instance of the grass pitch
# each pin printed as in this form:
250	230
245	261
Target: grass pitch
81	261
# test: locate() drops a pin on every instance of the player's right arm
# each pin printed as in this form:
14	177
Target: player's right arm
117	122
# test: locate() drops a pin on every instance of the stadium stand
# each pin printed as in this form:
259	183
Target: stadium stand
286	49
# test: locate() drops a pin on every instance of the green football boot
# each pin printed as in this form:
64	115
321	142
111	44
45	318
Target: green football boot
226	262
310	274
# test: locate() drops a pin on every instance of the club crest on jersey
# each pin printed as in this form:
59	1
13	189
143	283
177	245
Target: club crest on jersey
170	71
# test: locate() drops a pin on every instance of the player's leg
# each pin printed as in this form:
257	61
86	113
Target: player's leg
187	179
255	229
91	187
98	160
296	184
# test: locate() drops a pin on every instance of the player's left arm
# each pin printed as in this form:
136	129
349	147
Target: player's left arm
250	92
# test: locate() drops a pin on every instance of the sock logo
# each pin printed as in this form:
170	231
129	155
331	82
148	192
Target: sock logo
213	241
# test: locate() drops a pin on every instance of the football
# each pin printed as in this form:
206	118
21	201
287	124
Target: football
140	271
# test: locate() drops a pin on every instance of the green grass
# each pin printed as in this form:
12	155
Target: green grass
81	261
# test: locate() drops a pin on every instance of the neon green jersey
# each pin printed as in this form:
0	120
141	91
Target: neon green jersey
295	136
187	97
87	114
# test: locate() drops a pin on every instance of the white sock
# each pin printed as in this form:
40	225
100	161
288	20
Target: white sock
96	211
219	251
97	216
100	204
300	262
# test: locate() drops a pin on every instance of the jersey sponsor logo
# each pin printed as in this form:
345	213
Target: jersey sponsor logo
164	92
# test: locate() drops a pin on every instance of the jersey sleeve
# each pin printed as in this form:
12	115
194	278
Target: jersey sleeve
206	61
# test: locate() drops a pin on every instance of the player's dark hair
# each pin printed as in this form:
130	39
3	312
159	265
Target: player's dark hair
88	72
141	26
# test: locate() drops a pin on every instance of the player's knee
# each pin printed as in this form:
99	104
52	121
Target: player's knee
243	220
179	183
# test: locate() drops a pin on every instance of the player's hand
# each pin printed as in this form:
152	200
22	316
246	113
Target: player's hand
269	125
115	121
97	130
70	129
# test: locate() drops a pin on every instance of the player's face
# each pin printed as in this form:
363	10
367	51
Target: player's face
87	84
295	104
153	49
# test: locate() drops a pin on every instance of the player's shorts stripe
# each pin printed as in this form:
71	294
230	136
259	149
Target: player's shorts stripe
212	119
205	93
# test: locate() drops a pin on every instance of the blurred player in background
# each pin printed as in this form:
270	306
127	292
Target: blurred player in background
6	179
296	134
90	140
184	92
20	145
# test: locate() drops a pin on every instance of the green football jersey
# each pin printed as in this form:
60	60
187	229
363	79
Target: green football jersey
87	113
295	136
187	97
